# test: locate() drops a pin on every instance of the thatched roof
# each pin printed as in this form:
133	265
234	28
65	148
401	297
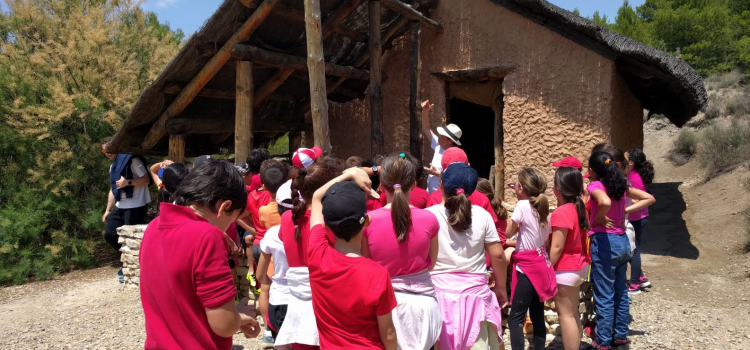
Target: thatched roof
663	83
281	32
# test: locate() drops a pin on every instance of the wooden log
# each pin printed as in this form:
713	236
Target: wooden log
412	14
497	107
269	86
207	73
243	116
316	69
250	3
290	62
479	74
177	148
174	89
415	88
376	91
351	34
189	126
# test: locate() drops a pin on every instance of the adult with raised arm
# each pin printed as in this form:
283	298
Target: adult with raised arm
445	138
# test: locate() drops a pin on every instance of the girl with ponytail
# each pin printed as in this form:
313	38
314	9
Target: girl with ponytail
467	233
610	248
403	239
299	327
170	179
533	280
567	253
640	174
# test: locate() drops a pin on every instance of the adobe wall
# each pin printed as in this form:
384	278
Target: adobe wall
558	102
627	116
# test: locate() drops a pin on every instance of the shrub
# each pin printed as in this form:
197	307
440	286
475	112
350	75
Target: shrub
739	105
685	147
726	80
713	111
725	147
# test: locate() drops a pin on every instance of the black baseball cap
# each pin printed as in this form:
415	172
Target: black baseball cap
200	160
344	209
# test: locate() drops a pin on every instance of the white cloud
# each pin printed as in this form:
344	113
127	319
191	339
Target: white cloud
165	3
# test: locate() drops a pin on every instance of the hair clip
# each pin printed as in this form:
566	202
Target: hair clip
161	185
460	190
606	162
397	185
402	155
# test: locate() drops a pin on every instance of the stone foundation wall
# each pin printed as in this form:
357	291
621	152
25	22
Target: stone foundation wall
131	237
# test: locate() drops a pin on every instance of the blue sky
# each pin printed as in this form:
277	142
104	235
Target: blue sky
189	15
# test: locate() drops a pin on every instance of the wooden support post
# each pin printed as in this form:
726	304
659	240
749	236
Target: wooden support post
415	88
412	14
243	116
207	73
316	69
376	92
499	183
177	148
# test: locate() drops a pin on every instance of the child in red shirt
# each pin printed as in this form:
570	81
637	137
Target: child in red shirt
187	290
352	295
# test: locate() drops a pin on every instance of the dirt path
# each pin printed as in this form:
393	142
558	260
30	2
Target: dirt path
692	254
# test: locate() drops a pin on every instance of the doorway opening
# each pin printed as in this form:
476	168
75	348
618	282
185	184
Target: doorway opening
477	123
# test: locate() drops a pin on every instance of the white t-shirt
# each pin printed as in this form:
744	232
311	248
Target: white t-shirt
530	234
141	196
463	251
433	182
272	244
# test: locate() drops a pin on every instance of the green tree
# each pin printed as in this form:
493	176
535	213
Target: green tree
70	70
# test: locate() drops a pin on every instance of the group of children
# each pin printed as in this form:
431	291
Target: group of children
357	255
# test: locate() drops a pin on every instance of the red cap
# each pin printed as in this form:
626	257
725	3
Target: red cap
304	157
572	162
453	155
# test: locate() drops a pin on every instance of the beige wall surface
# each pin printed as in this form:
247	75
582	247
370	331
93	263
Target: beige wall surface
558	102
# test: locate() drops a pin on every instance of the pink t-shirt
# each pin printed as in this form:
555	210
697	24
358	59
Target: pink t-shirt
637	183
184	270
531	234
616	211
348	295
407	257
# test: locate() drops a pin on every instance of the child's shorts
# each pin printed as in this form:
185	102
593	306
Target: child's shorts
572	278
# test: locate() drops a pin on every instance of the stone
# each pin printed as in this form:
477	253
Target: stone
549	305
125	250
557	330
133	244
551	318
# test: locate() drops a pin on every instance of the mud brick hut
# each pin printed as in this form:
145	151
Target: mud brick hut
527	81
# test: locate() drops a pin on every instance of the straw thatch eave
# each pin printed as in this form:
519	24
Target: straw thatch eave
663	83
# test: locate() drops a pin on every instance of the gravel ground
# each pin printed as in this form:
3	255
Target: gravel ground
692	254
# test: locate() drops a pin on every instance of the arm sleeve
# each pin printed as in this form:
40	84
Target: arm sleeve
137	167
387	299
517	216
213	278
561	218
318	242
434	141
491	232
434	226
596	185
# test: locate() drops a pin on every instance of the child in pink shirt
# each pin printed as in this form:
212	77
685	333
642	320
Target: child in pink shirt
403	239
640	175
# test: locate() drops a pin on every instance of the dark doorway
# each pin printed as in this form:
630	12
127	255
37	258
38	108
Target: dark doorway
478	126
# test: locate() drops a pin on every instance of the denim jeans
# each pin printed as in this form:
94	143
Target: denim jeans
610	254
635	262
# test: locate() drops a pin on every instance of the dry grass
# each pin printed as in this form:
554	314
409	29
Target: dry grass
739	105
726	80
713	111
725	147
685	147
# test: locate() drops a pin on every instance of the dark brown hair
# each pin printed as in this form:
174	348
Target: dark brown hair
459	209
305	182
534	184
485	187
397	176
569	182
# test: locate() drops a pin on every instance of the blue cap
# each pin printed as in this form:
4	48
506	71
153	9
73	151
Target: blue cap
459	175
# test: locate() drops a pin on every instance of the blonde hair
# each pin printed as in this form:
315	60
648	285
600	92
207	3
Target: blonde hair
534	184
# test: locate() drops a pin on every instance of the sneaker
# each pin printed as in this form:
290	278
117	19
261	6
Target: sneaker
590	331
620	344
596	346
119	273
122	279
644	283
267	340
254	286
634	289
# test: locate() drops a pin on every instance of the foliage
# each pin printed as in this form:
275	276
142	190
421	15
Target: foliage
685	146
731	79
69	72
713	111
725	147
739	105
712	35
280	146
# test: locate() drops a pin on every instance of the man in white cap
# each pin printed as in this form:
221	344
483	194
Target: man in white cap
445	138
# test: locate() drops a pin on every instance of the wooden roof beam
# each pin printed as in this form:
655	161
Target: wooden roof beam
412	14
290	62
174	89
188	126
351	34
158	130
478	74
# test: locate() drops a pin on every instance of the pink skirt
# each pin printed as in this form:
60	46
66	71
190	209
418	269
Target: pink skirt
465	301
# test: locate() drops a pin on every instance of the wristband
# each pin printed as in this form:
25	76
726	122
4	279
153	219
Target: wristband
374	170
